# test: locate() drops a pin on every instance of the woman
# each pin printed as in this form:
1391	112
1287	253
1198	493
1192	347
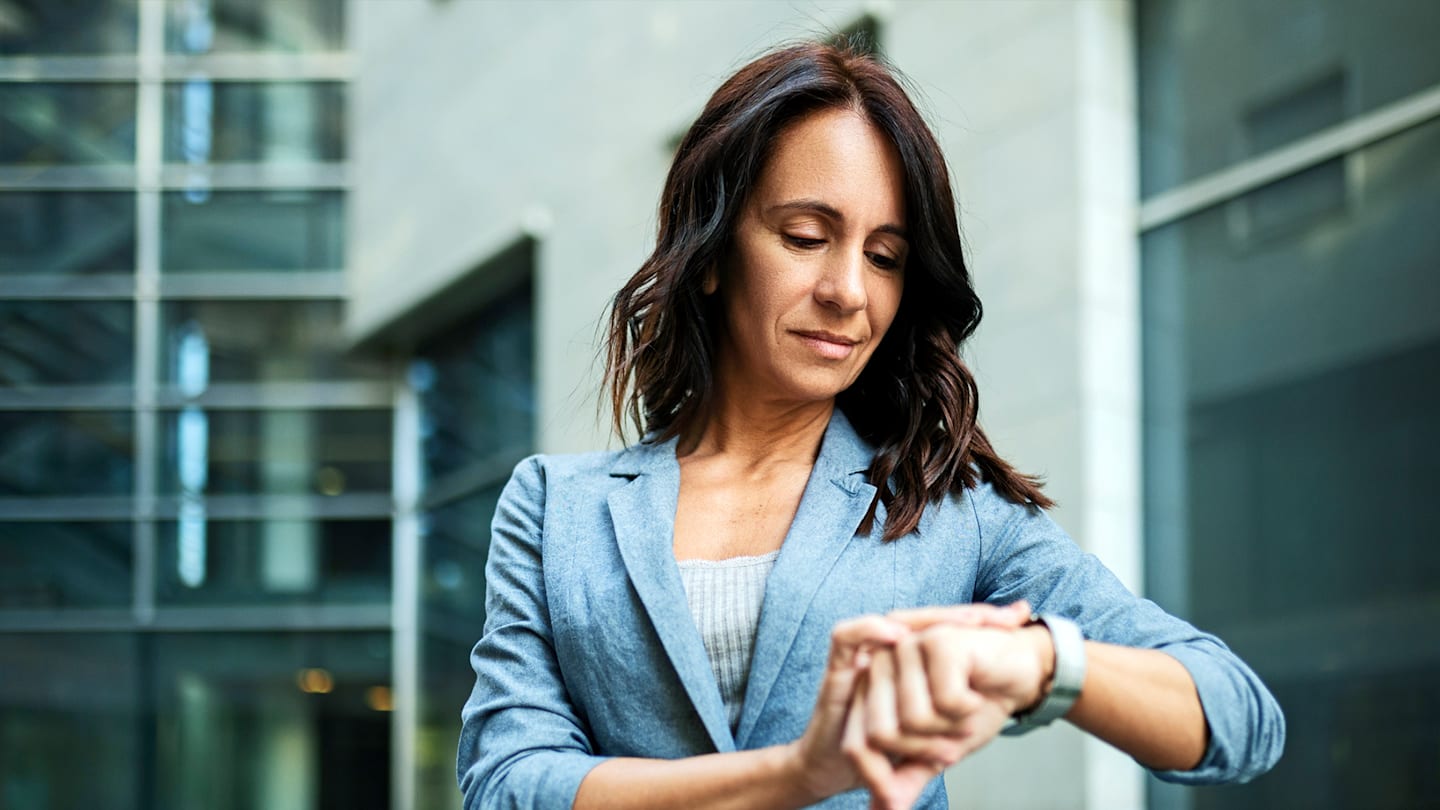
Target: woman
749	607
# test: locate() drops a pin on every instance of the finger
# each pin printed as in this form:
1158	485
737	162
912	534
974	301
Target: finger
882	724
873	766
977	614
912	679
849	643
849	637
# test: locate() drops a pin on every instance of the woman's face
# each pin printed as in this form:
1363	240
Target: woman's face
817	267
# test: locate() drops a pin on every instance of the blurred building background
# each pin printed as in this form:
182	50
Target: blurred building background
288	286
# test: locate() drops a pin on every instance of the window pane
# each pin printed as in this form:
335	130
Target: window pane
69	704
78	453
67	123
477	387
265	720
1223	80
255	341
67	232
275	452
456	541
41	27
252	230
1292	445
71	342
274	122
64	565
205	561
293	26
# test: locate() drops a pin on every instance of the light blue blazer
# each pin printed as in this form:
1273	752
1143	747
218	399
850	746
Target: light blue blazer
589	650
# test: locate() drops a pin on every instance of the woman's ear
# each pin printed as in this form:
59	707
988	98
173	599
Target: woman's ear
711	282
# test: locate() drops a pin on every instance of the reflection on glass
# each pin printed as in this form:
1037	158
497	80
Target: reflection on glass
1291	456
74	453
248	122
272	720
45	27
292	26
274	560
252	230
477	387
51	566
67	123
257	341
66	693
67	232
281	452
71	342
1223	81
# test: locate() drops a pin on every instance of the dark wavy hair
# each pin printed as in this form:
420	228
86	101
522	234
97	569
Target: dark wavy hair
915	401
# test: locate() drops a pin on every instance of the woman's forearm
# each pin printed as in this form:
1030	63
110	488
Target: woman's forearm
1144	703
763	778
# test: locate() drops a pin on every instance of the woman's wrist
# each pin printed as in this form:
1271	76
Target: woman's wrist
1038	642
794	770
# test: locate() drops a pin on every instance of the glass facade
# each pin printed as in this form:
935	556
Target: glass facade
196	486
1292	359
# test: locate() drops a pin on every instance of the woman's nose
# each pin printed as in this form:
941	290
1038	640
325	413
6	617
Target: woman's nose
842	285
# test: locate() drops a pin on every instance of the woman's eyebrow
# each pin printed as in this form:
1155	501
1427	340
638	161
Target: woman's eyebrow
826	210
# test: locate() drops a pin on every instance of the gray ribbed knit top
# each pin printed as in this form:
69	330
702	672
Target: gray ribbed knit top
725	598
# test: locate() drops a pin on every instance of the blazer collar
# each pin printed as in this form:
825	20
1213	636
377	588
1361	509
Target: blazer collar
835	500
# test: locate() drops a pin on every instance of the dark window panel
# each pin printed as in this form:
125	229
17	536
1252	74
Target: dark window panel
63	694
279	452
67	232
249	122
252	230
1292	454
77	453
204	561
72	342
256	341
477	387
45	27
43	124
53	566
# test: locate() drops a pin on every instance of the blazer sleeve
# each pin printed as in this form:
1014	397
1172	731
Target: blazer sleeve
1025	554
522	743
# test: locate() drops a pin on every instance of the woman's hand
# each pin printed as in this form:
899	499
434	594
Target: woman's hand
941	692
827	768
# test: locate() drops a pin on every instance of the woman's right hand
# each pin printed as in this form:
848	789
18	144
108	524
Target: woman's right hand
825	766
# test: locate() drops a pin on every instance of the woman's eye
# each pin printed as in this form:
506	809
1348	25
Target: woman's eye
803	242
884	262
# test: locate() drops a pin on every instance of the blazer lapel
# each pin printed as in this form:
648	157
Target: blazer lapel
836	498
643	512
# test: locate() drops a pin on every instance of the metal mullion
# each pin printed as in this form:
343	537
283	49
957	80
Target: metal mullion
249	66
407	483
1248	175
148	144
277	285
339	616
97	287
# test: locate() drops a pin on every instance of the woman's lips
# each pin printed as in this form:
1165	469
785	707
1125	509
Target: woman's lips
828	346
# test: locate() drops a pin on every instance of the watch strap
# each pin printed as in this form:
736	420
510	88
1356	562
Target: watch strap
1065	685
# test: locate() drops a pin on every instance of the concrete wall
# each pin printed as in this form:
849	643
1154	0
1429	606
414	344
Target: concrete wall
477	122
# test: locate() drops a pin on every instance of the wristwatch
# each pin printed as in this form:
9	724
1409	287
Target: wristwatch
1065	685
